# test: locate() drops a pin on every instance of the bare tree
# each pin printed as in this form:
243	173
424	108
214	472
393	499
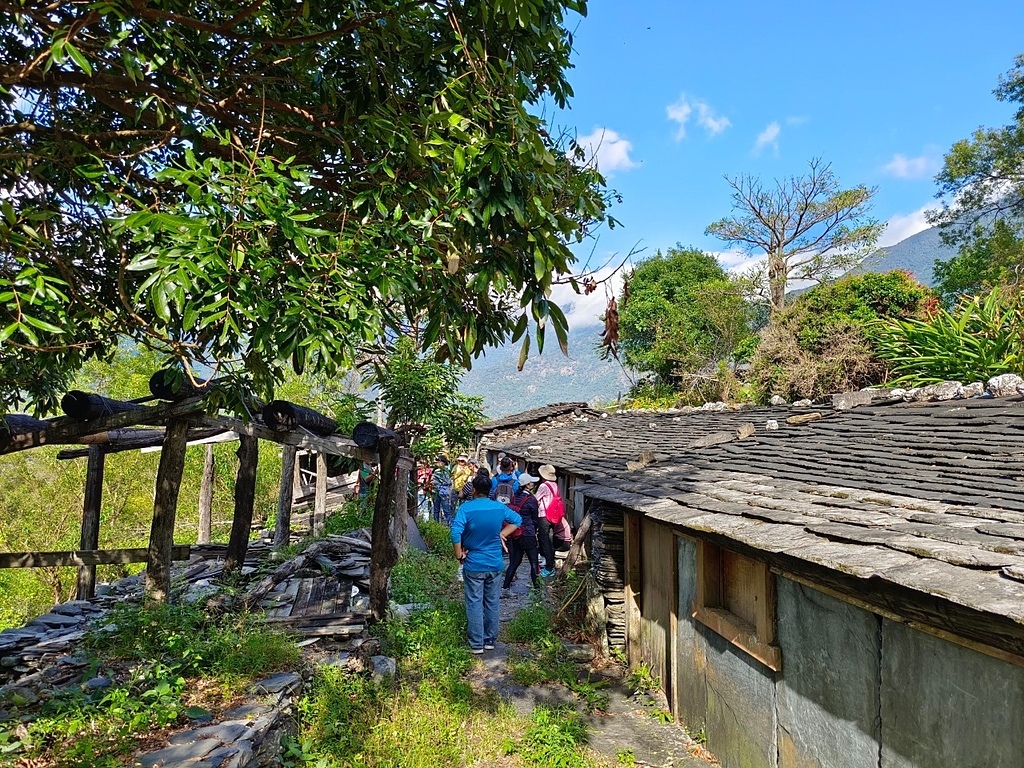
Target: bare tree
808	228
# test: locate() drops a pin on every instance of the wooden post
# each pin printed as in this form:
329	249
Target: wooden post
384	553
206	499
400	519
91	519
161	536
245	500
320	498
283	524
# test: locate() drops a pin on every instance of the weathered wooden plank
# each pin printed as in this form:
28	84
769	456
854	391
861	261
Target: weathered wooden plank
83	558
206	497
65	431
282	523
333	444
165	505
90	539
245	501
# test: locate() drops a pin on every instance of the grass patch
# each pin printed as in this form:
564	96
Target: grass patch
234	648
431	716
556	738
546	660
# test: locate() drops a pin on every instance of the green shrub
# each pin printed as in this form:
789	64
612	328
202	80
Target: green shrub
981	338
821	344
353	515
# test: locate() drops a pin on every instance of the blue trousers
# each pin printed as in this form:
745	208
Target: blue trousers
483	594
443	505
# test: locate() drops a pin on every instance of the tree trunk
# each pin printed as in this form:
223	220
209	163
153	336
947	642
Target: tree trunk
384	554
206	499
161	536
283	524
777	281
91	519
245	500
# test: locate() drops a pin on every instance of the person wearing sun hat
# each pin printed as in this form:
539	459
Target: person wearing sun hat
545	494
462	473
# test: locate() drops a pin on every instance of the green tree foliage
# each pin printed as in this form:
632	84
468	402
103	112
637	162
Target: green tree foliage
278	183
821	343
808	228
679	313
420	390
982	187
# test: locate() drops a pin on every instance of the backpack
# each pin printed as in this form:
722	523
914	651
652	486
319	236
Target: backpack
519	511
555	510
505	492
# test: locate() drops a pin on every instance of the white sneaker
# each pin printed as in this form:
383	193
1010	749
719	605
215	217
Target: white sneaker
488	646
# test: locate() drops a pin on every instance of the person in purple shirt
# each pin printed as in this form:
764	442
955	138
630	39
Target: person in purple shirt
478	537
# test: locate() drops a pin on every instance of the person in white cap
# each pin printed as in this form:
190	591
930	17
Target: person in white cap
524	540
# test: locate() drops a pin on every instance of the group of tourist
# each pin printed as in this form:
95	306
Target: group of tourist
515	513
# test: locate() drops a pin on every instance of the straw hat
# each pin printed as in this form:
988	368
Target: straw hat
547	471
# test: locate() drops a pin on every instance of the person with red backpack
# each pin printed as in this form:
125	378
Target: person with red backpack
523	540
550	511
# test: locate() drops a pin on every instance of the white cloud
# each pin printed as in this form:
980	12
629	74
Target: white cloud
903	167
608	149
900	227
680	112
797	120
769	137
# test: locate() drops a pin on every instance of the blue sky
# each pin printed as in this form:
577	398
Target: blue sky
684	92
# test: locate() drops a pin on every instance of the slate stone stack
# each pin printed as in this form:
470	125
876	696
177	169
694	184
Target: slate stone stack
610	567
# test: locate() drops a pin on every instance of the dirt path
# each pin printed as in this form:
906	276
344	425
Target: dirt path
625	734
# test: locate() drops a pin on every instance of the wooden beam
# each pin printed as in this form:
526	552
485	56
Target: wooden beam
286	492
118	440
320	496
165	506
69	431
245	501
333	444
85	558
206	498
90	539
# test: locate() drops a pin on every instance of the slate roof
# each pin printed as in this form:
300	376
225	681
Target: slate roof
918	507
533	415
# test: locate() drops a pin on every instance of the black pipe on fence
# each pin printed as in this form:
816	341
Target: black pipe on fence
87	405
367	434
282	416
172	384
